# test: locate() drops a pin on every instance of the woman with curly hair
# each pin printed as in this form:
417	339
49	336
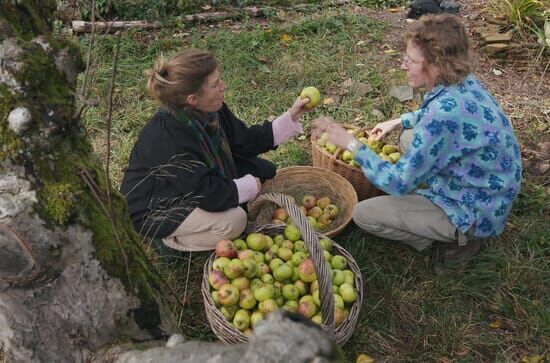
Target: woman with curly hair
461	169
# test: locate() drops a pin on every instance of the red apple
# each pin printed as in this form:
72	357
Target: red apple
226	248
228	295
307	271
323	202
307	309
217	279
309	201
280	213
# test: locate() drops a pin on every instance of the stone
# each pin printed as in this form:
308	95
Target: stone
19	119
495	47
497	38
402	93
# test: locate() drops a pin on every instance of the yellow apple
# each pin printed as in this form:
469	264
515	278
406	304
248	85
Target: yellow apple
314	97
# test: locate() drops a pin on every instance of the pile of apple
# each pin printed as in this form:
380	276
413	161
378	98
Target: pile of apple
253	276
386	152
319	212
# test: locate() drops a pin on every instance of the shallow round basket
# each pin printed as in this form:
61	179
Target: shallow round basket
298	181
326	160
229	334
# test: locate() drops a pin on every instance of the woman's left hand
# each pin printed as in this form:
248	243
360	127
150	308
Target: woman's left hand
336	133
297	110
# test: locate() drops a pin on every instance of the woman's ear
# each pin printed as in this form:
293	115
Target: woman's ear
191	100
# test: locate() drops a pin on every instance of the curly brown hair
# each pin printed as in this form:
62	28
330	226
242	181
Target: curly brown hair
444	43
171	81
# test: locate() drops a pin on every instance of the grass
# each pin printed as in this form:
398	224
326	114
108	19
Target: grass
494	309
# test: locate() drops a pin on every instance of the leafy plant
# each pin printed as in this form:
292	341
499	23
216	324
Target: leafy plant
521	13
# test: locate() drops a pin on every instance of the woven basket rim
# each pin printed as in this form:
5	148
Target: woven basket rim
349	194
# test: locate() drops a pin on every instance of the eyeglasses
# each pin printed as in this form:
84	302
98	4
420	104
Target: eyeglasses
408	61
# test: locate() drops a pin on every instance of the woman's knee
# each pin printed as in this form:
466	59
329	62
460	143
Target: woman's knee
233	223
365	214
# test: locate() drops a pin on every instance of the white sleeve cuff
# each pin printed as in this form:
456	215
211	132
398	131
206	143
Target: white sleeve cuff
284	128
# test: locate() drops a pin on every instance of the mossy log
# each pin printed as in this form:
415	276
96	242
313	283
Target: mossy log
73	274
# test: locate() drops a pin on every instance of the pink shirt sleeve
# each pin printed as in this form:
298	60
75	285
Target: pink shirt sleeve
247	188
284	128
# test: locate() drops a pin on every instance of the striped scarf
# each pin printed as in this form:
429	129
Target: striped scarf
212	140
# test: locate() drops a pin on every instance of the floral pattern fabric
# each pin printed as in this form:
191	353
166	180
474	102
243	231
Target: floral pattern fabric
464	149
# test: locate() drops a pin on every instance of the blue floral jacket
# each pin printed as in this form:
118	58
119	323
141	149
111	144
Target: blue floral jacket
464	149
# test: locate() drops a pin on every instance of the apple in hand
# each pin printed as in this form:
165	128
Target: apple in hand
314	97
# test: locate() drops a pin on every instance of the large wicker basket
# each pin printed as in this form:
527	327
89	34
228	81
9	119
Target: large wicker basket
229	334
355	176
298	181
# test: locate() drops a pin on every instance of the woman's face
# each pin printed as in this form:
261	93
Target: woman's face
210	97
419	72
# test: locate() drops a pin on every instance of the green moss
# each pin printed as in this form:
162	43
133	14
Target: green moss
59	201
10	144
28	18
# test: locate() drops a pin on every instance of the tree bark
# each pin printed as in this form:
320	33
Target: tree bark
73	274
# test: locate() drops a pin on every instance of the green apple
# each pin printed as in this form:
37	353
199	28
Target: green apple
298	257
284	253
267	278
234	268
256	241
256	317
250	268
241	320
220	263
307	309
247	300
314	97
283	272
256	283
349	277
326	244
338	301
228	312
301	286
338	262
317	319
241	283
348	293
290	292
338	277
228	295
263	293
274	263
240	244
259	257
292	233
300	246
267	306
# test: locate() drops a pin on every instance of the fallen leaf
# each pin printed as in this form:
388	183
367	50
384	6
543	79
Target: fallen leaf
206	7
363	358
497	72
301	137
285	38
495	324
254	83
533	359
328	101
390	51
395	10
361	42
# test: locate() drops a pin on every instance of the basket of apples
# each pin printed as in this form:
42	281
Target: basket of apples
288	267
324	197
329	156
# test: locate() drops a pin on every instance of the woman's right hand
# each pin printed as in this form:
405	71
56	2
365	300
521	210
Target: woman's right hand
383	128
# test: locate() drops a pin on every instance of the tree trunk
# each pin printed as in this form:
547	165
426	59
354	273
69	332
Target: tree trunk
73	275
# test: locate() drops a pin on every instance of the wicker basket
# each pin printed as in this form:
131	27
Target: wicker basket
229	334
355	176
298	181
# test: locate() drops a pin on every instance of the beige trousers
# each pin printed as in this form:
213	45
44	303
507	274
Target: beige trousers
201	230
411	219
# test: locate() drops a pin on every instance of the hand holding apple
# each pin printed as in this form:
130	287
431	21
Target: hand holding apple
313	96
298	108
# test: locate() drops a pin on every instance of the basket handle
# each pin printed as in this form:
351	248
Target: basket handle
324	274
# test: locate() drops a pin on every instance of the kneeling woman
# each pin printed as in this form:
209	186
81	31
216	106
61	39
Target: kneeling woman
195	162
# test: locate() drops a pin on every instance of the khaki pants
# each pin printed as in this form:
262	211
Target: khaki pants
201	230
411	219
